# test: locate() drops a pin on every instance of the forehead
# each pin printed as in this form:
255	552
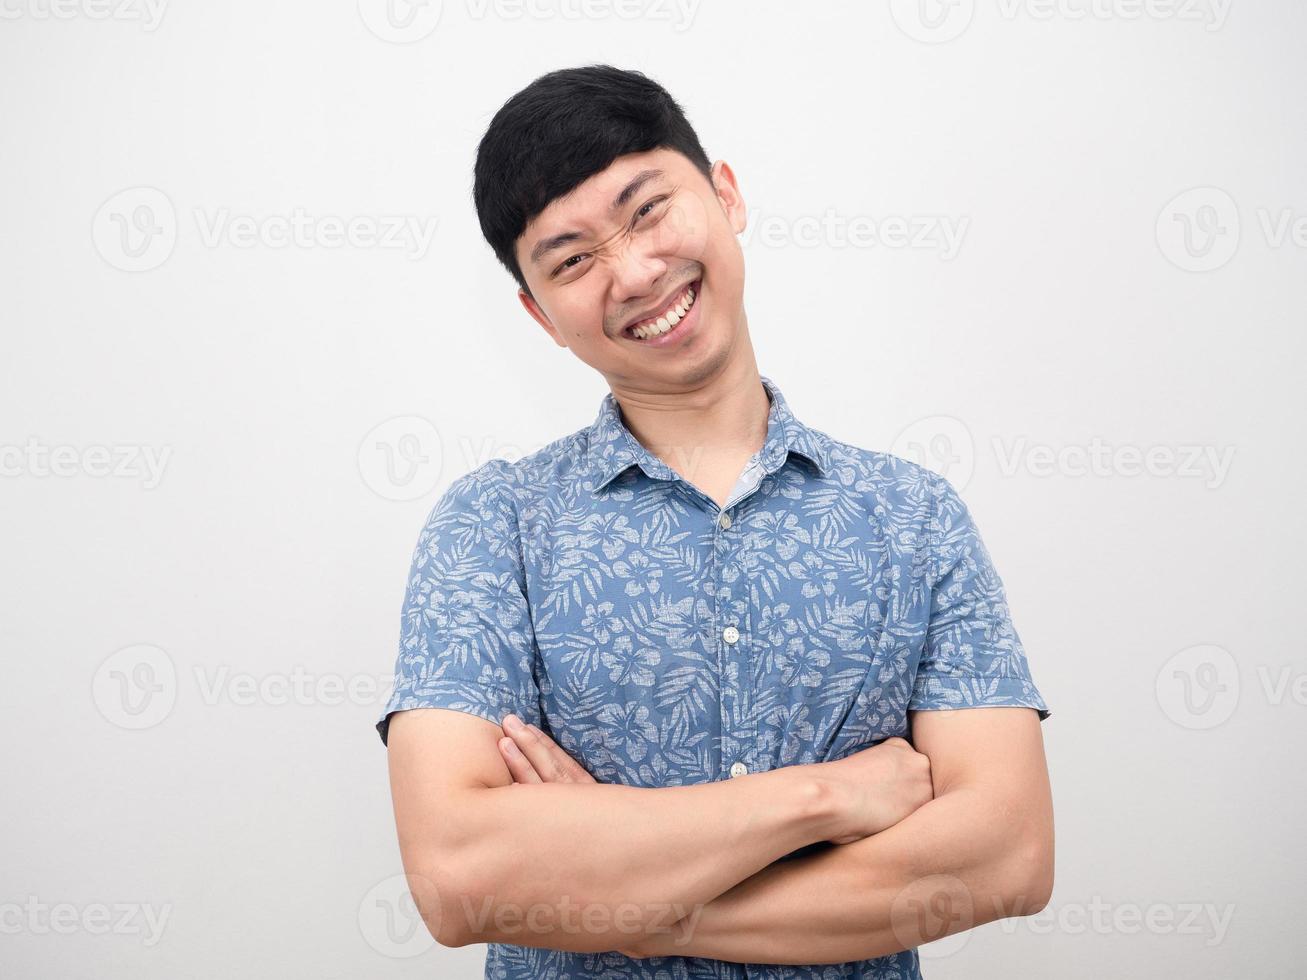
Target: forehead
587	207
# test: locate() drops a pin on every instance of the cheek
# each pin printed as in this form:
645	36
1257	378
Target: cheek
686	230
580	317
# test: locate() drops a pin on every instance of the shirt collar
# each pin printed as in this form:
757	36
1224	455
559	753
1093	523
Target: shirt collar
612	449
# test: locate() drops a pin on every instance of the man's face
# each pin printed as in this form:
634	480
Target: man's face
625	248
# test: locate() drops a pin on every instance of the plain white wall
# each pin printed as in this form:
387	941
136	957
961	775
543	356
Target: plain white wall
1094	326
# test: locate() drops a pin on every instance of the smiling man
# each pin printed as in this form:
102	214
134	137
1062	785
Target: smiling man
764	712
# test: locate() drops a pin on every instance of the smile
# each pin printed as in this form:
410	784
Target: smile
661	327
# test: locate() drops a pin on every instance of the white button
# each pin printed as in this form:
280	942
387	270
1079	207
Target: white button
724	520
739	769
730	634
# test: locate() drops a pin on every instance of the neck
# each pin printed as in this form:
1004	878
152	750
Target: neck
704	431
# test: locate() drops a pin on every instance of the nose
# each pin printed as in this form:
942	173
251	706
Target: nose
636	274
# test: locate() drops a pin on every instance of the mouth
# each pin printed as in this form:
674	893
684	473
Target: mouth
677	319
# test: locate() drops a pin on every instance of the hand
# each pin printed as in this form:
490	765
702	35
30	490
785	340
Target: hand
534	757
878	787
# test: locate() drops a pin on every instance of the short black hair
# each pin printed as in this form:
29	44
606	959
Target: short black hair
561	130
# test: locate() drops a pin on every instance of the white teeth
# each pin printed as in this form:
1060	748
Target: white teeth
671	318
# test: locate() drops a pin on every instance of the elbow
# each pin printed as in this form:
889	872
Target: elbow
1032	876
444	898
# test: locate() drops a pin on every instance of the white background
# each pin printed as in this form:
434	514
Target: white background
150	159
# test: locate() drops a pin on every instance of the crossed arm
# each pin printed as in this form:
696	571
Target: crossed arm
981	850
530	850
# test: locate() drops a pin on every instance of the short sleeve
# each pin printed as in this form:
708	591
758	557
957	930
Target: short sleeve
466	638
972	656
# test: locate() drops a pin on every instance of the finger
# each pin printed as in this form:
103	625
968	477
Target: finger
566	769
518	766
550	762
540	750
573	771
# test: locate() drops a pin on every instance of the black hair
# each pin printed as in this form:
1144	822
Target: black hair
559	131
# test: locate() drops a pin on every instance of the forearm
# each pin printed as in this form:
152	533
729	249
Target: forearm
957	862
595	866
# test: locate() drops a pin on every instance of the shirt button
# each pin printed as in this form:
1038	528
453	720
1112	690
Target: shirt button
730	634
724	521
738	769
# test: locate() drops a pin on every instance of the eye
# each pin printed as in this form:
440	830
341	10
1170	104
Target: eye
648	206
568	264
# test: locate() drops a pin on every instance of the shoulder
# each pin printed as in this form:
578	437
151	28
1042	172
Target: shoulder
893	479
550	468
511	490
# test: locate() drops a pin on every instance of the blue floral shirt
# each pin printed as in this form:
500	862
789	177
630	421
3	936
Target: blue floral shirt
664	640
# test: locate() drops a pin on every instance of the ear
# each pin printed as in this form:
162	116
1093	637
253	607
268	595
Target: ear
540	316
728	193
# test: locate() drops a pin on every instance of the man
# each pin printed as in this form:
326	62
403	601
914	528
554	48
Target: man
764	712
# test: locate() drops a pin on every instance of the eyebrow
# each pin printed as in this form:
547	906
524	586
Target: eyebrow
555	242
